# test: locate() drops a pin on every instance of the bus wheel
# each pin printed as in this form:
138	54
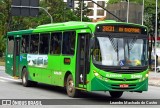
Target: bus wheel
71	91
116	94
25	80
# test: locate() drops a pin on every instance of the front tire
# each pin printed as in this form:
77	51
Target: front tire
116	94
71	91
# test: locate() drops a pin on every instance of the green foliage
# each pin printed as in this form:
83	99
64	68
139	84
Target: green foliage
149	15
117	1
113	1
2	46
4	16
58	10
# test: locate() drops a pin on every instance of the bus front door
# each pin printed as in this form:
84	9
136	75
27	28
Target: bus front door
16	57
82	64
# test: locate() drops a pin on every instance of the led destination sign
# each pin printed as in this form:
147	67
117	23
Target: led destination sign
121	29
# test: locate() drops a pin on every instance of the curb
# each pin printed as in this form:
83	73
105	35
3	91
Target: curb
154	85
2	70
153	82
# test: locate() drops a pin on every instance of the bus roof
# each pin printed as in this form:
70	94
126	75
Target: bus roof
20	32
71	25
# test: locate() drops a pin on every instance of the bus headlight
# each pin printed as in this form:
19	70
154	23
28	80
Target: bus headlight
106	79
96	74
142	79
147	75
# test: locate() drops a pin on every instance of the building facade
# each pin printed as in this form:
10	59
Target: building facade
120	10
96	11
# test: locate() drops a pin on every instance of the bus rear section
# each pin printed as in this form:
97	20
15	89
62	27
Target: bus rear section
13	55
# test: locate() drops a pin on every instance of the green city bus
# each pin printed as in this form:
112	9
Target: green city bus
81	56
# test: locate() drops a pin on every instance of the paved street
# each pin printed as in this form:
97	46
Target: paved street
12	89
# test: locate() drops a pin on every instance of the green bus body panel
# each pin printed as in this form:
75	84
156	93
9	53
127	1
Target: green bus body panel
59	69
9	64
22	63
55	70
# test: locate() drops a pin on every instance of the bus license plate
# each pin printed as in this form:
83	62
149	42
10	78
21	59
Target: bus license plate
123	85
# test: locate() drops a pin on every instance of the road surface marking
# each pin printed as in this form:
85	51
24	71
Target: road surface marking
9	79
2	80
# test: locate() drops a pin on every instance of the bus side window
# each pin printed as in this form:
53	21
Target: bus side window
56	41
69	42
44	44
34	44
25	44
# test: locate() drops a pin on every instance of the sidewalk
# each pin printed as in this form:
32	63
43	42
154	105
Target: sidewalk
2	68
154	78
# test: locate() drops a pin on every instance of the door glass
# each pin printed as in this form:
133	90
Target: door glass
10	45
83	57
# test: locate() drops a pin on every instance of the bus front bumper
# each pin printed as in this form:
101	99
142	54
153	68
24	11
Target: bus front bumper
100	85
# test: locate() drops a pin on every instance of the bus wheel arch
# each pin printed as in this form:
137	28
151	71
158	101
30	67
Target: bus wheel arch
25	81
24	67
65	78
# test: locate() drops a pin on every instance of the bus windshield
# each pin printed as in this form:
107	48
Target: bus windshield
120	51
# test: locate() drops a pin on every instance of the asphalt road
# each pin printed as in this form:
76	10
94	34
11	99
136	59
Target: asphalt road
12	89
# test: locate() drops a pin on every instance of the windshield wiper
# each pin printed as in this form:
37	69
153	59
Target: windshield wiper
132	43
115	46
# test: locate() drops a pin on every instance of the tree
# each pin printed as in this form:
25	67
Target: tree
4	16
85	11
116	1
2	45
57	8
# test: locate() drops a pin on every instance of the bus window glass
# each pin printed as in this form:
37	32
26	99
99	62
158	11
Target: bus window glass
44	44
34	44
56	39
25	44
69	42
10	45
